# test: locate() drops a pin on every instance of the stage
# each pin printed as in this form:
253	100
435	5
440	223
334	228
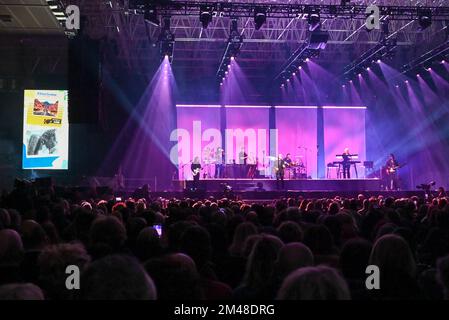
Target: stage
248	185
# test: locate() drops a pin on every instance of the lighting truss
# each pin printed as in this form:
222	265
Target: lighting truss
166	41
311	48
424	61
291	10
384	49
232	49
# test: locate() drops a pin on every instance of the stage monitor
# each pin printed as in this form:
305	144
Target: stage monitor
45	130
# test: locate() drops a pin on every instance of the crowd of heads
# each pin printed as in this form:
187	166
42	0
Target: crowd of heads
222	249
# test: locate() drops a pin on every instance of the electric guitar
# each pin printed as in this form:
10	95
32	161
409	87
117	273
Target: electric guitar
394	169
196	171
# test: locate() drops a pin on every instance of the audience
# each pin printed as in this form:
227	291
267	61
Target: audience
219	249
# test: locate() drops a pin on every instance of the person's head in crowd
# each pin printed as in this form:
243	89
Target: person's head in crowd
354	258
293	256
116	277
443	275
86	205
252	217
392	255
334	208
290	231
334	225
218	238
118	206
196	243
241	233
53	262
408	235
107	235
386	228
11	248
434	245
133	227
389	202
318	239
5	219
175	232
16	219
20	291
314	283
260	266
249	244
148	244
175	276
83	219
51	232
33	235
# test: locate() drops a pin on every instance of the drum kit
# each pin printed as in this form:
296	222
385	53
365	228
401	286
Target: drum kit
293	170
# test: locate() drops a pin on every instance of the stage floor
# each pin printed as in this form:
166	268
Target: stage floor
248	185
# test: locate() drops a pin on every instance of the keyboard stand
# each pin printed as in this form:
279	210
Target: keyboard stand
355	168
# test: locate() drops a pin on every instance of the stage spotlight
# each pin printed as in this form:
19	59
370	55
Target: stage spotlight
368	69
151	16
313	19
429	69
166	41
260	17
424	18
385	28
205	16
443	61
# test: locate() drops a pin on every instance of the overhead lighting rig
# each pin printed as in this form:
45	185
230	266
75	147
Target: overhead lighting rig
313	12
425	62
166	41
232	49
384	50
311	48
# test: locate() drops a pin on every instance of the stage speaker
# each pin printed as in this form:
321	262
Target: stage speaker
83	79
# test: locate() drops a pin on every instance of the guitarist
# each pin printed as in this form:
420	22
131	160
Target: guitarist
392	167
196	169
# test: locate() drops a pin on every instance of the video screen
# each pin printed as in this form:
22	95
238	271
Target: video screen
45	130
